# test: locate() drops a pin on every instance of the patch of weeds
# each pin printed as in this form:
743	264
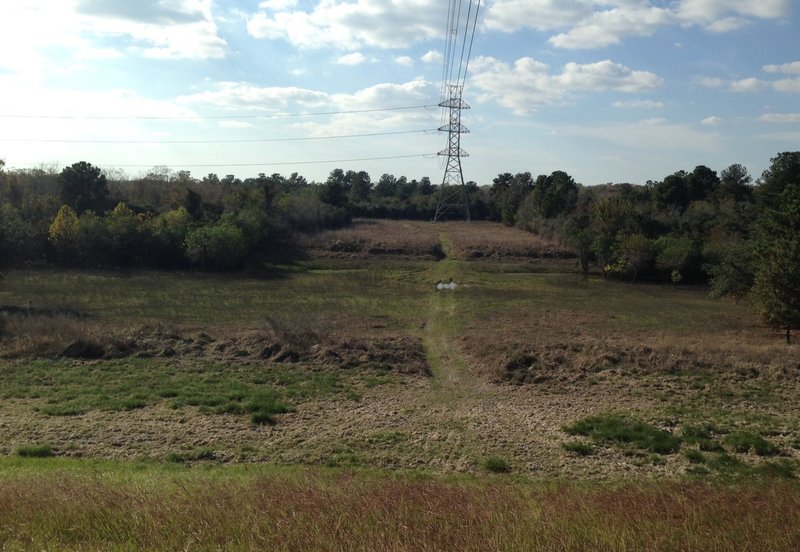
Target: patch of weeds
695	456
611	428
703	437
191	456
725	463
745	442
388	437
63	410
35	451
495	464
781	468
578	448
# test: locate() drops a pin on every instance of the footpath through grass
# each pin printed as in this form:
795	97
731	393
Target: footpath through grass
67	505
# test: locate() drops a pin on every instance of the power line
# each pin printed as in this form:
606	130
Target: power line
193	117
471	40
278	163
236	141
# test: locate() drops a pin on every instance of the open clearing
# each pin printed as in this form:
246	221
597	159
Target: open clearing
354	358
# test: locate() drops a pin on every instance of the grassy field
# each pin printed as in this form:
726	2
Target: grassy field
303	384
58	505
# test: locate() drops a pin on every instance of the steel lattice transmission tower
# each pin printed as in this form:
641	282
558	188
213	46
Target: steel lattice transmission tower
453	192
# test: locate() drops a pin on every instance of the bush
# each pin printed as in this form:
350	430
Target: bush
616	429
745	442
35	451
495	464
578	448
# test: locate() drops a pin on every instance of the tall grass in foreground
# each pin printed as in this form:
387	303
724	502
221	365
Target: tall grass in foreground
69	512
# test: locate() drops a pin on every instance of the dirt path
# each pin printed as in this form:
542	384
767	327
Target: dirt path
449	367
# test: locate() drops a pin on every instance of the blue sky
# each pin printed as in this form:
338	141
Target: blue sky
607	90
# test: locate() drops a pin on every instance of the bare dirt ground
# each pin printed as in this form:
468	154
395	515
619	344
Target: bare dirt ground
503	386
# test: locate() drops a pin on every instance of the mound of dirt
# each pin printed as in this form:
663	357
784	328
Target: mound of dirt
396	353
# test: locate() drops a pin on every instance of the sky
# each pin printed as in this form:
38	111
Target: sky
606	90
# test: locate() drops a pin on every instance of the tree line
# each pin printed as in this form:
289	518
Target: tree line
740	236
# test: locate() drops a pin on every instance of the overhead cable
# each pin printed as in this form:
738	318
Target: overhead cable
232	141
194	117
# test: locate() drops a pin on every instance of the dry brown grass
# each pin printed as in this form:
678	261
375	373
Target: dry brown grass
367	237
347	342
353	513
473	241
493	241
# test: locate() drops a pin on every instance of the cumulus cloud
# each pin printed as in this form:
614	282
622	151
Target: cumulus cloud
603	28
404	60
639	104
236	96
780	118
277	5
529	84
787	85
712	121
351	25
751	84
432	56
593	24
792	68
243	96
176	29
354	58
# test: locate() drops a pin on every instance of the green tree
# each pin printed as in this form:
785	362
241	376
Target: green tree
222	245
83	187
555	194
776	290
635	253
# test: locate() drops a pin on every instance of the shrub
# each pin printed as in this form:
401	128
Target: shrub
616	429
35	451
578	448
495	464
695	456
745	442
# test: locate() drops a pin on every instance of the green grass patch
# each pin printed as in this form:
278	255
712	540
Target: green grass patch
578	448
69	388
495	464
35	451
619	430
745	442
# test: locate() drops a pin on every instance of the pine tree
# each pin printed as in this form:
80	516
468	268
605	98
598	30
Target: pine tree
776	291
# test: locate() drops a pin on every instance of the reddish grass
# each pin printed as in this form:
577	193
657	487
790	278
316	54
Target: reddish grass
357	513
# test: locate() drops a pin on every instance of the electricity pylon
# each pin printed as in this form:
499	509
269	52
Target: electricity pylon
453	193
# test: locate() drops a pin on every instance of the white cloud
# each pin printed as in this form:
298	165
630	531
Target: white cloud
352	25
544	15
639	104
780	118
707	11
787	85
180	29
747	85
529	83
432	56
236	96
727	24
792	68
277	5
611	26
404	60
712	121
354	58
599	23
